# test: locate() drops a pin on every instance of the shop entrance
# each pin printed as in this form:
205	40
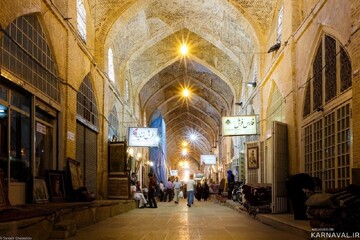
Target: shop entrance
19	162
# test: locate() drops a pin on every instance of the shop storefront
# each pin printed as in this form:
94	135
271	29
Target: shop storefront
29	106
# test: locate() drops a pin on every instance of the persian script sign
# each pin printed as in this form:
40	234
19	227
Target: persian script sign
239	125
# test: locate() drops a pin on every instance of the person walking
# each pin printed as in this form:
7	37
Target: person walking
168	190
190	185
177	188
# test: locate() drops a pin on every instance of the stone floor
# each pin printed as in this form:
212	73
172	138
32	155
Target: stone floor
204	220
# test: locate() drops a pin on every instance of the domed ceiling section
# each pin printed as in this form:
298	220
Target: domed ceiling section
223	36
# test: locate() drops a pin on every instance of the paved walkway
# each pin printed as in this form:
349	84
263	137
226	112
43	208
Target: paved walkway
204	220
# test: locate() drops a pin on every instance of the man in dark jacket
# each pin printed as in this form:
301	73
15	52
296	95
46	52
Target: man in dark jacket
296	186
152	190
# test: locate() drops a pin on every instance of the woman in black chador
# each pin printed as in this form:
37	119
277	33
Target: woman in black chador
231	183
198	193
205	192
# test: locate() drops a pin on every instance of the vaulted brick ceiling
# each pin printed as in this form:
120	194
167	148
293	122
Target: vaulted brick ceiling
223	35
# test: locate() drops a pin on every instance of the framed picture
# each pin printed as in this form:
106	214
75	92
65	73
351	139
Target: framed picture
56	186
253	157
40	191
75	174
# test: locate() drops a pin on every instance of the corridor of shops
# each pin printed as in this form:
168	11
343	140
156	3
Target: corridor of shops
105	101
203	220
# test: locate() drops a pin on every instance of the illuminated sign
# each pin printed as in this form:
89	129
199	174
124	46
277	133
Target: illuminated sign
143	137
239	125
208	159
173	173
199	175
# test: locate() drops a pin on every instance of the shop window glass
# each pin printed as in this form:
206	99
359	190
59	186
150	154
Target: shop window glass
307	103
43	149
4	139
44	143
20	150
3	93
328	137
317	81
81	19
113	124
111	65
20	101
280	22
330	69
330	72
25	52
86	104
345	71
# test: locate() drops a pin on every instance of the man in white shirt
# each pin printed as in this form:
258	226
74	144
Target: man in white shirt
177	188
137	194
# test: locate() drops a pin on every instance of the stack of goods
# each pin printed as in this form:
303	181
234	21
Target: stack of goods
338	209
257	198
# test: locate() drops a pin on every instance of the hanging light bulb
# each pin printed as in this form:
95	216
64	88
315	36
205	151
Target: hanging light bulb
186	92
184	49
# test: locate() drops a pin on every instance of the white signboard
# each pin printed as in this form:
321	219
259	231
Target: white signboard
41	128
71	136
143	137
199	176
174	173
208	159
239	125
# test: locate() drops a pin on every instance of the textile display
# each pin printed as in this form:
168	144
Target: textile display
257	198
338	209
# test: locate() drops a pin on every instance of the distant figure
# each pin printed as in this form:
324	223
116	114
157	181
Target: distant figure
137	194
177	188
145	191
161	190
190	185
133	178
231	183
168	190
152	190
206	191
198	193
296	186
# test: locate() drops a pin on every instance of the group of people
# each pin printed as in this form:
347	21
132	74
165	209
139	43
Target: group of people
202	191
145	196
171	190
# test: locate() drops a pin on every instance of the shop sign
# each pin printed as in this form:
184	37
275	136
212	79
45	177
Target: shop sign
239	125
143	137
41	128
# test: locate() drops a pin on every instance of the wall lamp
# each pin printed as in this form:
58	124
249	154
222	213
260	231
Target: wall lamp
239	104
251	84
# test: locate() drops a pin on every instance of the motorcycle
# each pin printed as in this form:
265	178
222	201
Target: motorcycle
237	192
